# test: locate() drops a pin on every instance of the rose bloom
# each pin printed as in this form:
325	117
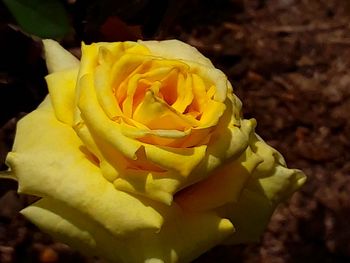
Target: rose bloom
140	153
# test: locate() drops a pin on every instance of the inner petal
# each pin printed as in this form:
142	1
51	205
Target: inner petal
200	94
169	86
135	86
214	110
184	93
105	96
121	86
157	114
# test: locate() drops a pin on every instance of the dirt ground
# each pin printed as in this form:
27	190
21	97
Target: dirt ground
289	62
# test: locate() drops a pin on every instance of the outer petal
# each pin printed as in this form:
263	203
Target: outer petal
129	176
46	104
174	243
99	124
223	186
61	86
65	224
250	216
227	142
159	186
270	184
182	50
193	58
50	161
213	76
57	58
95	53
272	176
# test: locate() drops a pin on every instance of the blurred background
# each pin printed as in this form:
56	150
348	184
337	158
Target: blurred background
288	61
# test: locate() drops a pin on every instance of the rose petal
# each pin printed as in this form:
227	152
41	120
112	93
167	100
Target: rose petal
199	93
194	59
174	243
61	86
184	93
126	66
57	58
264	190
165	49
99	124
97	53
229	140
181	160
109	132
250	216
223	186
104	92
172	138
46	104
132	71
156	114
56	166
134	87
212	114
109	160
159	186
212	76
277	181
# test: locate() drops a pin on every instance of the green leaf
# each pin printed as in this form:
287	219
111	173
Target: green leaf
44	18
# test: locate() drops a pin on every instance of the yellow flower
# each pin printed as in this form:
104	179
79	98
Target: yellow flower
140	154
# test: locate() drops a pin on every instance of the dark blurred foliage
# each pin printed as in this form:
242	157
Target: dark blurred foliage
43	18
92	15
21	68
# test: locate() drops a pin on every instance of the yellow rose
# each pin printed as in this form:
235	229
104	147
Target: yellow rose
140	154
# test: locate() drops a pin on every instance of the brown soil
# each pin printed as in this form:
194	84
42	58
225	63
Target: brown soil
289	63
